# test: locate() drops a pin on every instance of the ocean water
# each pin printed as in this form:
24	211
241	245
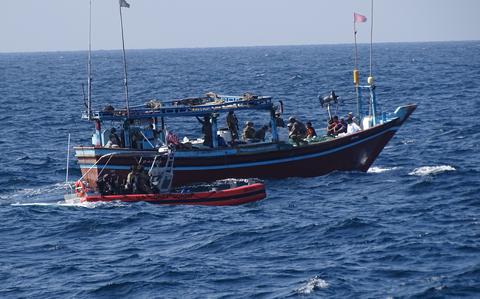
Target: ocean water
408	228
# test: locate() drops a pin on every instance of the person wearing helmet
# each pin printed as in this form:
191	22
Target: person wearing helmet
296	131
248	131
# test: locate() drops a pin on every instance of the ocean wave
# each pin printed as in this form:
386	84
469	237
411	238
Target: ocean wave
380	169
350	224
48	189
73	203
329	224
431	170
312	284
42	194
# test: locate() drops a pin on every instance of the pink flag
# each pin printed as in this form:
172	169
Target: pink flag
358	18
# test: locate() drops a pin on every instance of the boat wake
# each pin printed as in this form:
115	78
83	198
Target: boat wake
50	195
72	203
431	170
312	285
48	189
44	194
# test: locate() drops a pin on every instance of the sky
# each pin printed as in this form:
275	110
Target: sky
62	25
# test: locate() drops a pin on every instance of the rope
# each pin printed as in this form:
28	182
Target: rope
106	155
145	137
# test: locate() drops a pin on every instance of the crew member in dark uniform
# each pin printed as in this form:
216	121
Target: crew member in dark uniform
232	124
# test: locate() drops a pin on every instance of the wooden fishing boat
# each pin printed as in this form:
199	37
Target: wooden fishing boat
270	159
227	192
141	135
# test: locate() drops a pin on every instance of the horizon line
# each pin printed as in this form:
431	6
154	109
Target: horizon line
234	46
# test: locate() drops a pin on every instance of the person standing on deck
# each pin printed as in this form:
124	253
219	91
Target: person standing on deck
206	130
232	124
279	120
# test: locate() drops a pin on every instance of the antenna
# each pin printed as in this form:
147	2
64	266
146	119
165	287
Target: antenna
68	159
123	3
89	67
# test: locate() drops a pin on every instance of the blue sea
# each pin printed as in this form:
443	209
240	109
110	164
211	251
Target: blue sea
407	228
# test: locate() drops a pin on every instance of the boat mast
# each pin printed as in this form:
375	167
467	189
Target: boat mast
123	3
371	80
357	18
356	81
89	66
68	159
371	37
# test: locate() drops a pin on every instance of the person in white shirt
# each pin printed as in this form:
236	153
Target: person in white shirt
352	127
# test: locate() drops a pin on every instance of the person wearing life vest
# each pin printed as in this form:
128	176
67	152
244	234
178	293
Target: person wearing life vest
310	131
341	127
130	179
332	124
248	131
297	131
138	181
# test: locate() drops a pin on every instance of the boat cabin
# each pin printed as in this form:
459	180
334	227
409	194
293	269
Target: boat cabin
145	127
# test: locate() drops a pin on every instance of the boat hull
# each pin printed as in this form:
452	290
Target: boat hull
229	197
354	152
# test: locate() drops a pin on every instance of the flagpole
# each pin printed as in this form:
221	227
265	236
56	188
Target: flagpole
371	37
124	62
355	69
89	67
355	39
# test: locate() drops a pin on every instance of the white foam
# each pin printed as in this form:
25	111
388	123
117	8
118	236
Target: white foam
91	205
313	284
72	203
431	170
380	169
40	191
408	141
